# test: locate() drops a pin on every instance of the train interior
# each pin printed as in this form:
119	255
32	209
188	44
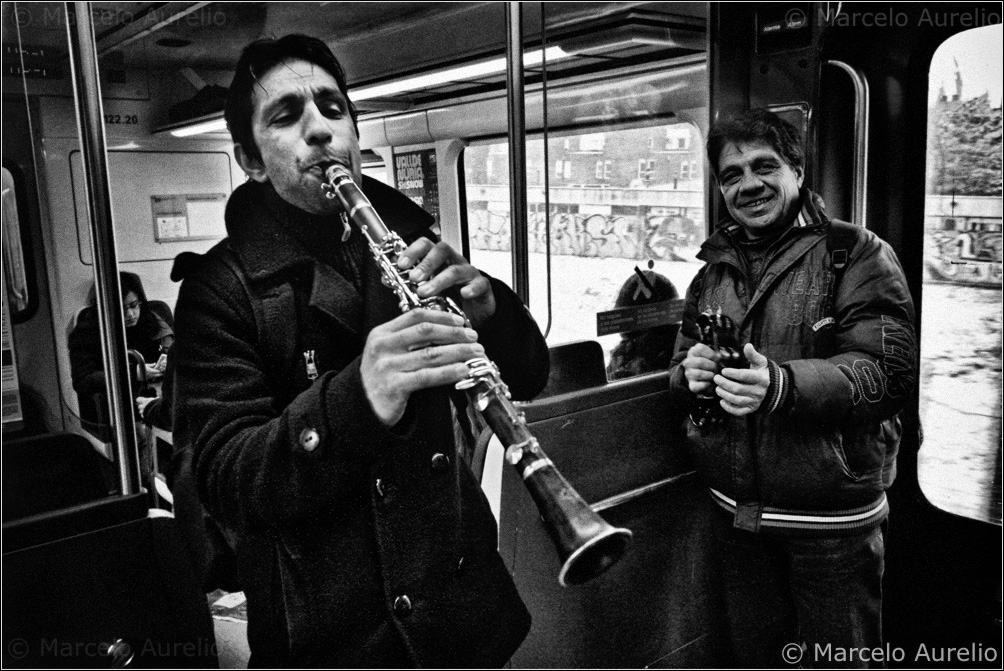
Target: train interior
612	102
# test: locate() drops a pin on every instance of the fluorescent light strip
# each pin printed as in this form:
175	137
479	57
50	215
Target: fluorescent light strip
211	126
460	73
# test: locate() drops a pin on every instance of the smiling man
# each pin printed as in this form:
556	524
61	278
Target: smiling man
798	459
321	420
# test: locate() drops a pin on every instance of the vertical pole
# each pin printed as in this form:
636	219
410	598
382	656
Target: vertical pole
547	163
517	152
91	128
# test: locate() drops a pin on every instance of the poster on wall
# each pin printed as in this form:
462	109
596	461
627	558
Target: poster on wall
415	177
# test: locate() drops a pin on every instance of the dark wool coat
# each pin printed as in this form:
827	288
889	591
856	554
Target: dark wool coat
358	544
845	357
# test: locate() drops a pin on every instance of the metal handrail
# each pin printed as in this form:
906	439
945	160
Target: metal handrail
91	128
517	152
862	102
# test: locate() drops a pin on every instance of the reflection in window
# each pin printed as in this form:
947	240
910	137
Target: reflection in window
960	392
608	215
15	276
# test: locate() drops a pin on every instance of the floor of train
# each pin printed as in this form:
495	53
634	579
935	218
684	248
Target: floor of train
230	622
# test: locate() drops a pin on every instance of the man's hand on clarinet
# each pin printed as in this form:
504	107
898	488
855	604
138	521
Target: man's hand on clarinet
438	267
419	349
742	390
700	368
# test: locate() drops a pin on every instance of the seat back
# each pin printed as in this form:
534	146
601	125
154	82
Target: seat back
92	580
162	310
620	447
575	366
93	407
103	584
49	472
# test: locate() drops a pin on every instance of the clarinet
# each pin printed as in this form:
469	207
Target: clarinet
718	332
586	544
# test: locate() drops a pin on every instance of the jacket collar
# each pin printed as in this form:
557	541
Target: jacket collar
808	230
267	248
721	245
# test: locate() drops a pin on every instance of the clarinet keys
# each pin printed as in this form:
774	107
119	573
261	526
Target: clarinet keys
718	332
586	544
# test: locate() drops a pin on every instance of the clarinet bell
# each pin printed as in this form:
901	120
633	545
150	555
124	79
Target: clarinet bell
592	552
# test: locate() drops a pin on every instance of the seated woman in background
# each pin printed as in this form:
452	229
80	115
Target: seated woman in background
646	350
149	333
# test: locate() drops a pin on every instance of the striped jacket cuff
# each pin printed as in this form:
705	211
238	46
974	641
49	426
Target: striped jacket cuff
779	391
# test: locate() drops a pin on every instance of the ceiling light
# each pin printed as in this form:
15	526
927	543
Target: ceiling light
215	123
199	127
460	73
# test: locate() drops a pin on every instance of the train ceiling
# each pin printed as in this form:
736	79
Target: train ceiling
377	42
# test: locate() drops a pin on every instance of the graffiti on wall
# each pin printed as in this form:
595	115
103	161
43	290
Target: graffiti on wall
968	257
595	235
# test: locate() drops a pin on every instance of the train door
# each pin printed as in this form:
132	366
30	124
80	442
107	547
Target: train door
860	80
94	572
943	584
602	245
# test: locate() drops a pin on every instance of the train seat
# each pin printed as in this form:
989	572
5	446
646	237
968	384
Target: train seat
162	310
617	444
93	407
575	366
108	581
49	472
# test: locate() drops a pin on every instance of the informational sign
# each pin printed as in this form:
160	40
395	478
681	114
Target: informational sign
13	414
639	317
189	217
783	27
33	61
415	176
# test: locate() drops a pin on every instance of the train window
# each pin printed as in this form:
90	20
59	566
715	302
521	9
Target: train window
374	166
619	200
18	252
960	390
13	412
15	275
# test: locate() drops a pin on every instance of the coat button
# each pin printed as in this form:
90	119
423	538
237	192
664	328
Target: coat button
309	439
440	462
402	605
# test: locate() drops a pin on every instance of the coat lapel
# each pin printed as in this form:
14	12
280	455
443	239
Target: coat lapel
267	251
335	297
